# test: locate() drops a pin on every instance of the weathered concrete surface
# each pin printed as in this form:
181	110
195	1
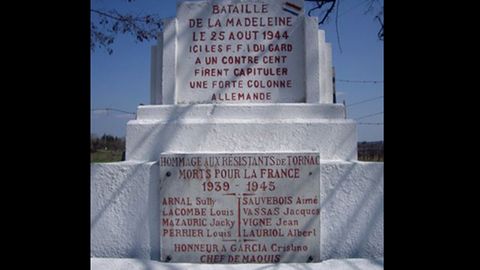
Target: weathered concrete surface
351	218
125	210
242	128
241	111
133	264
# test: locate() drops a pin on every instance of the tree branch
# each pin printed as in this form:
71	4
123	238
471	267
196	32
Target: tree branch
141	27
380	32
320	4
336	26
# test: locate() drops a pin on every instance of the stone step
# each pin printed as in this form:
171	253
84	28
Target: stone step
135	264
335	139
242	111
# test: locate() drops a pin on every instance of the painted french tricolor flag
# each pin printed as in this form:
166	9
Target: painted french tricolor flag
292	8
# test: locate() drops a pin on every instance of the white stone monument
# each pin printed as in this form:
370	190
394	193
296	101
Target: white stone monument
242	156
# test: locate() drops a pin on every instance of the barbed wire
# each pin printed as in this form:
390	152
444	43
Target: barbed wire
357	81
370	124
113	109
364	101
368	115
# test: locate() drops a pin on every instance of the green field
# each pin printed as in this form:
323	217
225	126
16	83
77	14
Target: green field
106	156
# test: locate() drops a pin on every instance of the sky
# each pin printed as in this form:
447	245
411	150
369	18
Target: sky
122	80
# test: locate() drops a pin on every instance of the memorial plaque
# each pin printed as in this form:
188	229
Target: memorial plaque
240	208
240	51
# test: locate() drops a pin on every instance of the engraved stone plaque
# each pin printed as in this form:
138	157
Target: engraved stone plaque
240	51
240	208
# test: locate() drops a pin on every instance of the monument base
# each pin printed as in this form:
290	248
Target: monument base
125	210
135	264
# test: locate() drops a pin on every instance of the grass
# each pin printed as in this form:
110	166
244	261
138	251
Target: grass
106	156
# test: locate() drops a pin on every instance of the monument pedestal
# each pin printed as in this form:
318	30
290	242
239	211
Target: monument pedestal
125	210
242	128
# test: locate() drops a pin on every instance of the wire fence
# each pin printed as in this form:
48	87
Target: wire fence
363	101
368	115
369	124
113	110
357	81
